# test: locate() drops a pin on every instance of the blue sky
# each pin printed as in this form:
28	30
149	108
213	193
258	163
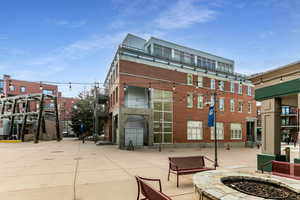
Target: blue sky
67	40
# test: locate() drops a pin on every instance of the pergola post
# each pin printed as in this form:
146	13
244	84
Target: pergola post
3	107
58	136
12	119
36	139
24	120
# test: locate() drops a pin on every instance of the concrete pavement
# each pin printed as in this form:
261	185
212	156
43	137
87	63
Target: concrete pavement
70	170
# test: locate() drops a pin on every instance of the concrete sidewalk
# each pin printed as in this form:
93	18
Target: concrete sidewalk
69	170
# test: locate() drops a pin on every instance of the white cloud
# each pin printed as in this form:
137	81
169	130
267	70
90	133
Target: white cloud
65	23
183	14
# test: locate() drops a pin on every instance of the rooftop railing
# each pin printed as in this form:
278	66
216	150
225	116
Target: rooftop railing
141	54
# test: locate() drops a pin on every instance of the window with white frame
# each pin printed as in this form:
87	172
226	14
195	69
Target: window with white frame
200	102
232	87
221	85
212	100
231	105
249	91
220	131
240	109
189	79
236	131
194	130
189	100
240	91
48	92
212	84
200	81
222	104
11	88
22	89
249	107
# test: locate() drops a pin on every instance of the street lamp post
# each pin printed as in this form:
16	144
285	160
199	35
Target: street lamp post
215	130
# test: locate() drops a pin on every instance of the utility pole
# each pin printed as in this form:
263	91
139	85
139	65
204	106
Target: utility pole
95	121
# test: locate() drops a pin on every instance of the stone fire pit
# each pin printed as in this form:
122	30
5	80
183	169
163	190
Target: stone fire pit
227	185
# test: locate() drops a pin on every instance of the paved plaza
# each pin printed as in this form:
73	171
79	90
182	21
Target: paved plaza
71	170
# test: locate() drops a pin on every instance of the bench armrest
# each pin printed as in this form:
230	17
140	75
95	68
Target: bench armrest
265	164
206	158
173	166
152	179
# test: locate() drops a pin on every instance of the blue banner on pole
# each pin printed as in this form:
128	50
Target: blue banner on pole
211	116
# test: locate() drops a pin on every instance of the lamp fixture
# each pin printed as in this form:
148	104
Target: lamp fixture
125	87
174	86
41	86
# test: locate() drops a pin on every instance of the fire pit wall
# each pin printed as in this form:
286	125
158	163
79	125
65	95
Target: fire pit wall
226	185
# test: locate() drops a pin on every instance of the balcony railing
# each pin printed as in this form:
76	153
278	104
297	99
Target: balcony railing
141	54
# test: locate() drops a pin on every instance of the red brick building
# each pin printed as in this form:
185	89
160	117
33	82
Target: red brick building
13	87
65	109
159	94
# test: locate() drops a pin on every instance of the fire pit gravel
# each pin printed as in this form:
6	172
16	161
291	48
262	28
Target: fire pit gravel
227	184
260	188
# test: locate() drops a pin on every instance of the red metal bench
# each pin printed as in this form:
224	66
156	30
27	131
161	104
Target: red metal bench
148	191
187	165
285	169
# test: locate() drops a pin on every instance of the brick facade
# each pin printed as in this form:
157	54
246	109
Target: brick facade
142	75
30	87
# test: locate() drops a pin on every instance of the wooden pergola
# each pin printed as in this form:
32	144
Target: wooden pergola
10	109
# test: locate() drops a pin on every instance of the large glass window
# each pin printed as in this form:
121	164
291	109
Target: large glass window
188	59
236	131
178	55
162	51
224	67
206	63
194	130
220	131
162	105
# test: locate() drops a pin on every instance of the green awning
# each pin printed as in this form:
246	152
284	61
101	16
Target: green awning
281	89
